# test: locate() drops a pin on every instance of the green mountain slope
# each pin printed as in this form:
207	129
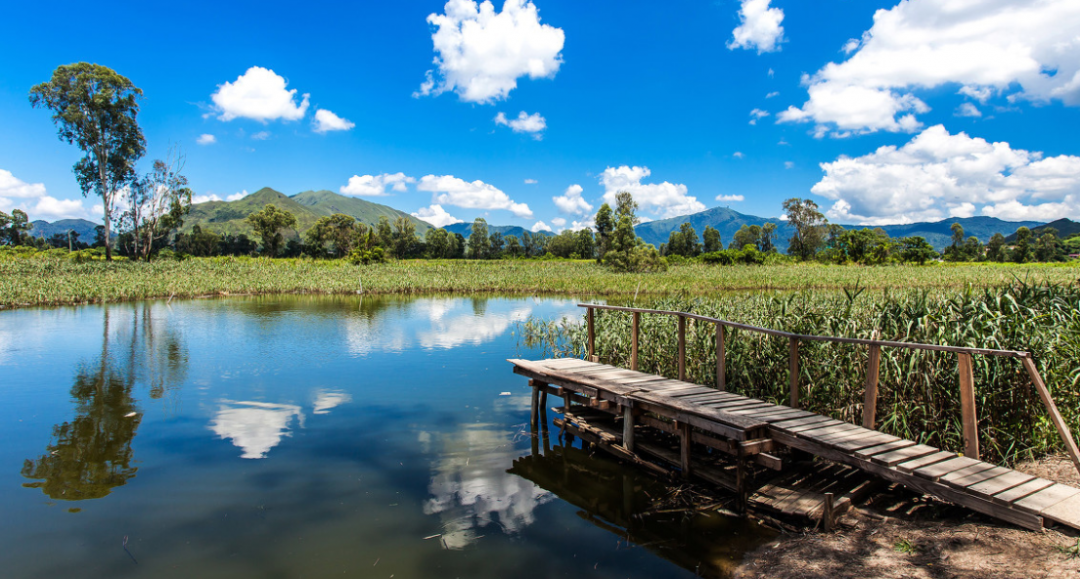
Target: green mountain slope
326	203
1064	227
465	229
84	230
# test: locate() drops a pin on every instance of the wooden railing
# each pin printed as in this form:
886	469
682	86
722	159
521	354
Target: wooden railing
965	367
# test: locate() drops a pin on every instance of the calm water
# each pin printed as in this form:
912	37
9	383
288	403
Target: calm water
310	437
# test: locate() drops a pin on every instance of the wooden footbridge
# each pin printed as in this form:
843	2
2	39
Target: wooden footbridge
669	425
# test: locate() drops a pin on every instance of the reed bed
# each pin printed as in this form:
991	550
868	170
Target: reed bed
37	281
918	391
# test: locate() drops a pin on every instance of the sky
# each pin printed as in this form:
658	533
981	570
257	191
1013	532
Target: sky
534	113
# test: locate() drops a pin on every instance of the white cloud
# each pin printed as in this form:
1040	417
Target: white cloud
326	121
587	223
851	45
540	226
558	222
33	199
759	27
968	110
449	190
481	53
531	181
436	216
524	123
375	185
261	136
757	114
772	94
738	155
731	198
258	94
937	175
326	400
237	196
255	427
661	199
771	73
983	45
979	93
789	164
205	197
571	203
206	139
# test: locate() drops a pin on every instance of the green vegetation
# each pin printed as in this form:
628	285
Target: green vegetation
919	390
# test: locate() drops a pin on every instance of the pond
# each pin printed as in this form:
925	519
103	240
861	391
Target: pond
297	436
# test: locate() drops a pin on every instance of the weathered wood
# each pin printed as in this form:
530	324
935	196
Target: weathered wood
793	369
827	513
591	323
859	443
965	472
628	428
798	430
534	416
1001	483
788	424
913	465
1018	492
682	347
967	406
867	453
873	370
1051	408
903	454
1045	498
965	482
936	471
1067	512
721	359
634	340
685	444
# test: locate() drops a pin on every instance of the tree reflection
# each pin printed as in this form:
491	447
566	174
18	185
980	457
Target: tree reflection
92	454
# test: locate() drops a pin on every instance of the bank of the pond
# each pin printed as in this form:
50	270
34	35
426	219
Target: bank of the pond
58	281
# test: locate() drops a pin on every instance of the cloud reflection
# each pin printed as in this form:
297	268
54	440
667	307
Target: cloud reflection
325	400
255	427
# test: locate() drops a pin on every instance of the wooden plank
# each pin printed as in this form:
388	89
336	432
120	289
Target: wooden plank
965	472
1067	512
936	471
967	406
836	437
903	455
1018	492
853	444
817	433
1001	483
793	370
562	363
711	397
741	408
1045	498
736	403
729	425
976	478
912	465
721	359
813	426
787	424
873	371
784	414
636	320
1055	416
866	453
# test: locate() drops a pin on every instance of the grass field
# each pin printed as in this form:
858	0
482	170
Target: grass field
57	281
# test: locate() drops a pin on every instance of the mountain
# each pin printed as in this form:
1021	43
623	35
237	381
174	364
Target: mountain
728	221
1065	228
308	207
84	230
465	229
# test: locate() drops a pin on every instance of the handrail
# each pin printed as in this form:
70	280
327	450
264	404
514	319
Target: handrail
967	382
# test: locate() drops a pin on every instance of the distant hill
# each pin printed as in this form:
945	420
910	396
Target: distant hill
84	230
1065	228
728	221
308	207
465	229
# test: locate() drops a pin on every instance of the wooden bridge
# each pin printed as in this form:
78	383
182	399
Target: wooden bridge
729	440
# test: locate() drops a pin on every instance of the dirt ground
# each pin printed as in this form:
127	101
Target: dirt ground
899	534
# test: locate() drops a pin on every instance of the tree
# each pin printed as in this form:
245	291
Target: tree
768	234
605	225
96	109
157	203
995	249
746	235
268	223
438	242
513	246
495	245
955	252
478	239
973	249
404	236
626	206
917	250
384	233
809	224
17	224
1048	248
628	253
339	230
712	240
586	245
1021	252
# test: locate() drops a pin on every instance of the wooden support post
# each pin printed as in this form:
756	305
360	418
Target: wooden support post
535	415
1055	416
591	323
742	500
793	367
634	324
685	440
628	427
827	515
873	368
682	348
721	362
967	407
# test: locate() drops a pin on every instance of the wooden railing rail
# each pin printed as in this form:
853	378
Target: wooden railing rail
964	354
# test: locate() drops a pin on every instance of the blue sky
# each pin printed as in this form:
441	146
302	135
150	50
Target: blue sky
930	110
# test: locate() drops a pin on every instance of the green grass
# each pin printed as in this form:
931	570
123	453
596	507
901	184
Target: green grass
58	281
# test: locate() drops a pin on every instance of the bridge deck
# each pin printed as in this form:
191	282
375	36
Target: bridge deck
745	427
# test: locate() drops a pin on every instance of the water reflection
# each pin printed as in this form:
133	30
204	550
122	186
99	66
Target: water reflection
255	427
91	454
325	400
471	489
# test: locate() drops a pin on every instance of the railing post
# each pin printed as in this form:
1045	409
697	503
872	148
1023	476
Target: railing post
682	348
967	406
793	368
873	370
592	332
628	426
634	340
1055	416
721	363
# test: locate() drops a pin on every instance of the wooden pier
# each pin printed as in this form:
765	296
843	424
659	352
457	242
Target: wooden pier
670	425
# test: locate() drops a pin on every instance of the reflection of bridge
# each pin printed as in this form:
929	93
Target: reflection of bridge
728	439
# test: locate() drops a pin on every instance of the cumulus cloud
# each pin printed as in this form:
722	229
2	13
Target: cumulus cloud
450	190
772	94
35	201
376	185
436	216
757	114
937	175
261	136
789	164
326	121
540	226
738	155
759	27
730	198
661	199
237	196
984	45
533	124
558	222
480	53
968	110
571	203
206	139
259	94
531	181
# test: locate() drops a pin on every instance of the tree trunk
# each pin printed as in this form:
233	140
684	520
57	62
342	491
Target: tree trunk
105	196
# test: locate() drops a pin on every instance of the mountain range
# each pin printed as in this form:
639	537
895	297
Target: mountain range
1064	227
84	230
465	229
